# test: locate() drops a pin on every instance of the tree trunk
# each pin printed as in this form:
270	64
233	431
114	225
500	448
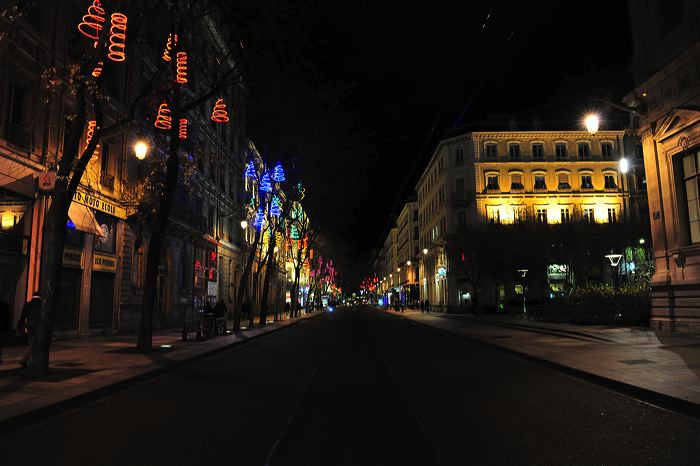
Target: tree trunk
266	283
144	343
244	283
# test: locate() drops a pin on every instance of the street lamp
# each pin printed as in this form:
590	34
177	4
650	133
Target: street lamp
425	251
398	269
592	122
523	273
244	224
408	263
140	150
614	263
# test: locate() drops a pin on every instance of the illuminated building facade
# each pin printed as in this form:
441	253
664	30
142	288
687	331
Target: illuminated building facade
509	177
666	99
408	252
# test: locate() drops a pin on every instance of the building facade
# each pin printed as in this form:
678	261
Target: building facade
666	99
407	252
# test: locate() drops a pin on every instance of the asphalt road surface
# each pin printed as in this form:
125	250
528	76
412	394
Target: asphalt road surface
359	387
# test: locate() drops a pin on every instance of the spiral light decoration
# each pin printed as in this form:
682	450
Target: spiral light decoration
98	69
181	77
172	41
163	121
92	125
182	134
219	114
117	38
91	25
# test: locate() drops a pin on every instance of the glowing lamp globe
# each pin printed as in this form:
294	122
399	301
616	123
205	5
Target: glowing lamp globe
624	165
140	150
244	224
592	122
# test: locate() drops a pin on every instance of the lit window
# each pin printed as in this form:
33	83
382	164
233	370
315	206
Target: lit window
541	215
514	151
494	214
561	151
606	149
492	182
516	182
540	183
612	215
537	151
565	216
610	182
491	151
586	182
588	215
584	150
691	173
563	181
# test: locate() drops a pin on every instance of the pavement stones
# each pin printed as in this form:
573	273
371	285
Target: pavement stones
660	367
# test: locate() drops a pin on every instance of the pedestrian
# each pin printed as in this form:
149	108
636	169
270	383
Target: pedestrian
427	306
27	323
4	322
287	309
422	307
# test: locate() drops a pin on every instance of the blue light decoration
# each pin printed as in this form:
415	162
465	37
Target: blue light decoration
259	219
278	173
266	183
70	224
250	170
275	210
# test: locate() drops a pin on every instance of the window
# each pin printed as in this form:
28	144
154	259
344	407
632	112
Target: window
691	173
459	156
138	265
541	215
638	153
494	214
565	215
561	151
588	215
540	183
460	188
462	218
606	149
16	133
537	151
612	215
586	182
514	151
104	157
491	151
610	182
519	213
415	215
492	182
584	150
563	181
415	233
516	182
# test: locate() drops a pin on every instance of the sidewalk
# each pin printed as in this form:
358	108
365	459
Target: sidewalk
84	369
661	367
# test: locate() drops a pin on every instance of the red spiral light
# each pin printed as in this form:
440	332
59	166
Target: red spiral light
92	125
181	77
91	25
163	121
219	114
183	128
117	38
172	41
98	69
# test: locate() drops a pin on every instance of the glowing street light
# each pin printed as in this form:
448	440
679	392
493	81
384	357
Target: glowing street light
624	165
425	251
408	263
140	150
592	122
398	269
244	224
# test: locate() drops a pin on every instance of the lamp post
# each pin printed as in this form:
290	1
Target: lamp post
140	150
615	264
523	274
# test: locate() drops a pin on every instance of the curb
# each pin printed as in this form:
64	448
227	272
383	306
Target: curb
61	406
652	397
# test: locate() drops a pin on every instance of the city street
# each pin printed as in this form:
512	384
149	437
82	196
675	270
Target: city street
359	386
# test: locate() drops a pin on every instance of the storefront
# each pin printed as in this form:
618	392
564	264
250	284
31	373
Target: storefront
15	231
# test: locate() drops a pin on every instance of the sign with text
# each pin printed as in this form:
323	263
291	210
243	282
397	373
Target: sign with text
108	207
73	257
46	182
104	263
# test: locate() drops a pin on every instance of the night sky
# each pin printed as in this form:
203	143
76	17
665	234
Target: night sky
411	67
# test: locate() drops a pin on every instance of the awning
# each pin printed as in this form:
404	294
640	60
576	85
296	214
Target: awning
84	219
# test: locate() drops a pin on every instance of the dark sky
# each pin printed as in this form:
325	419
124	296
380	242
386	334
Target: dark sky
402	61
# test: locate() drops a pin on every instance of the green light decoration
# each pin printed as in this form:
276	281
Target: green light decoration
252	202
294	232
